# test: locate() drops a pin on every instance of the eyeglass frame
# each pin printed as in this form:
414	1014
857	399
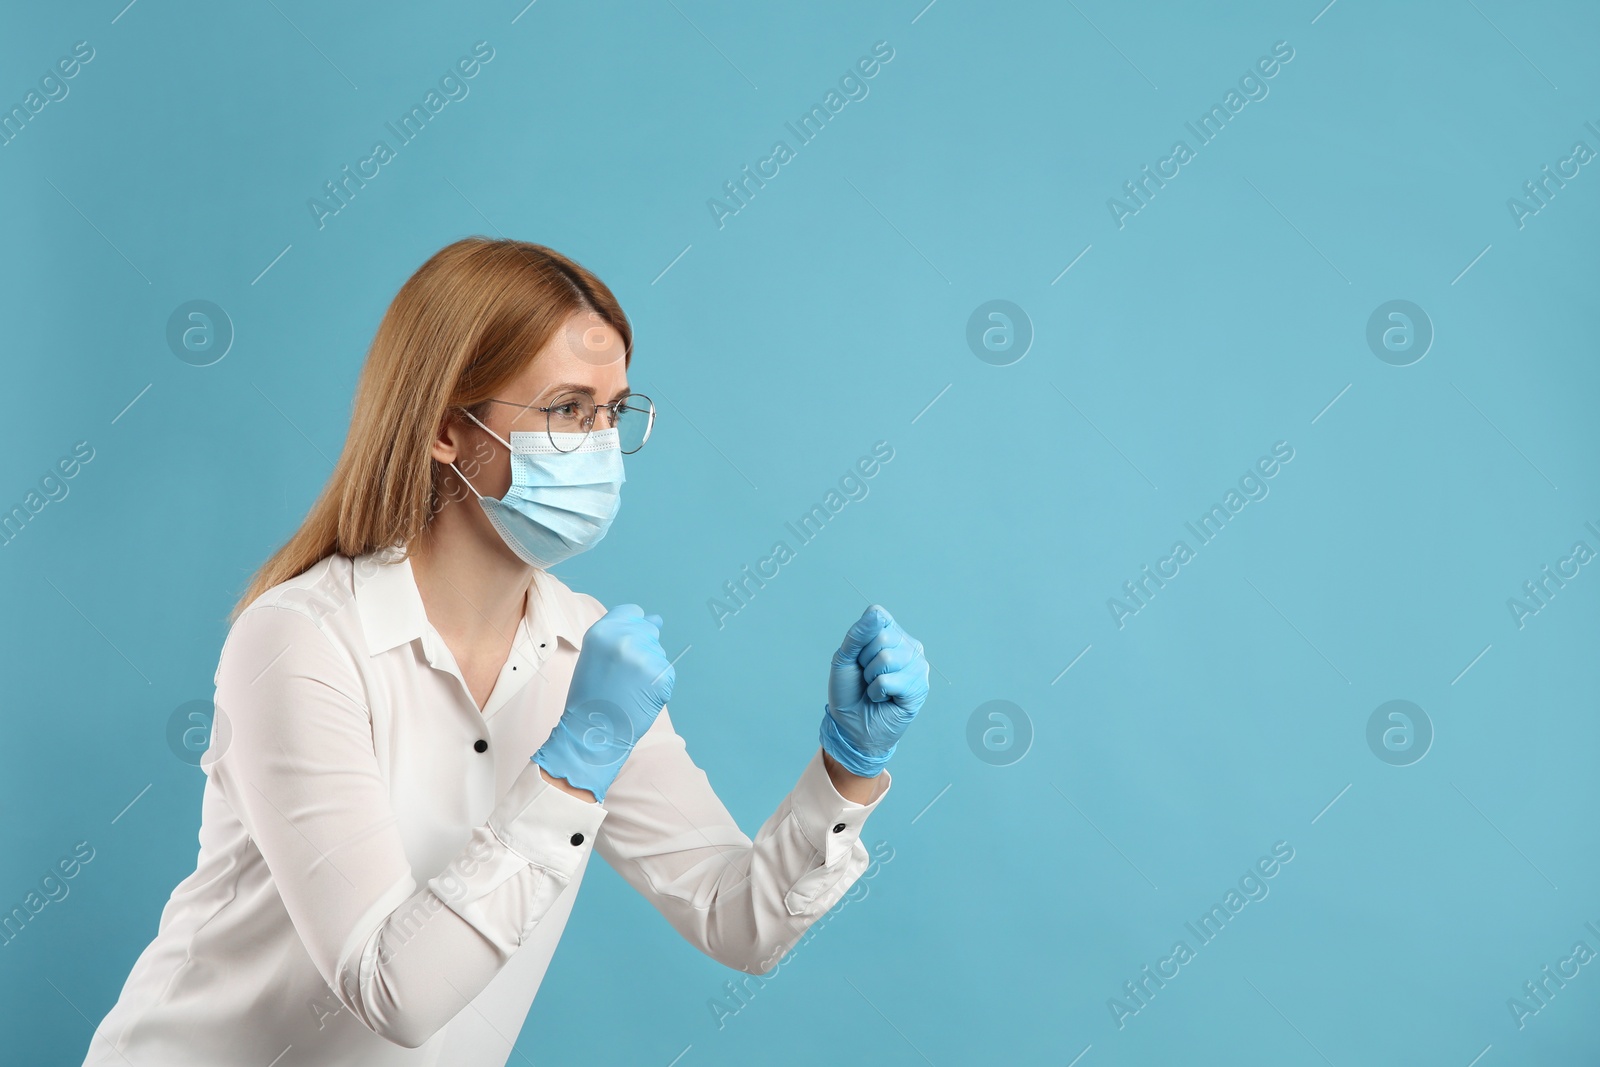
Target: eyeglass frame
614	407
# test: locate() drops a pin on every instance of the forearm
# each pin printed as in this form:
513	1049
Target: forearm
743	902
570	790
443	945
853	787
415	972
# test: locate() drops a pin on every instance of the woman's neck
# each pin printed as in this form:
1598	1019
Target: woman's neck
473	590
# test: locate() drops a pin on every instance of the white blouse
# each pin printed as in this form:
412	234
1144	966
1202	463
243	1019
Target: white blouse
383	874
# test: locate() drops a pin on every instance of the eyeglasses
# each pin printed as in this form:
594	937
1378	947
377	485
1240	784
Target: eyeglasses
633	417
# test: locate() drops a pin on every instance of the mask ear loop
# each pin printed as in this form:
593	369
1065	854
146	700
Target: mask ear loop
491	433
463	477
488	431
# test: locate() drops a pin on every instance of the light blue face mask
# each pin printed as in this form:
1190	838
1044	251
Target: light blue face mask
559	503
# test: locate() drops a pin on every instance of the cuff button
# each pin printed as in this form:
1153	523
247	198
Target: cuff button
838	827
577	839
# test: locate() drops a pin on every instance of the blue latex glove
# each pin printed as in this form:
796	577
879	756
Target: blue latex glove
621	682
877	684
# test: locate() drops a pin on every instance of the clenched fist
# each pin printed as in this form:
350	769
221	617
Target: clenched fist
877	683
620	684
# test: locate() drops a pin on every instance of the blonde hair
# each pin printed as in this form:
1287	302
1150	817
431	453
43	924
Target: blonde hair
460	329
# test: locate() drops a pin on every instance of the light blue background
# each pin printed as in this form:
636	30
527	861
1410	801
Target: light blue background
825	316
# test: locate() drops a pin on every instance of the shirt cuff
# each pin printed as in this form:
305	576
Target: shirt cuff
546	826
828	821
520	860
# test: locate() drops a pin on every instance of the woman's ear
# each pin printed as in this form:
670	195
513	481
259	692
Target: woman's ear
449	441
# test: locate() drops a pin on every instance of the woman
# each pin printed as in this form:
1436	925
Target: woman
420	733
